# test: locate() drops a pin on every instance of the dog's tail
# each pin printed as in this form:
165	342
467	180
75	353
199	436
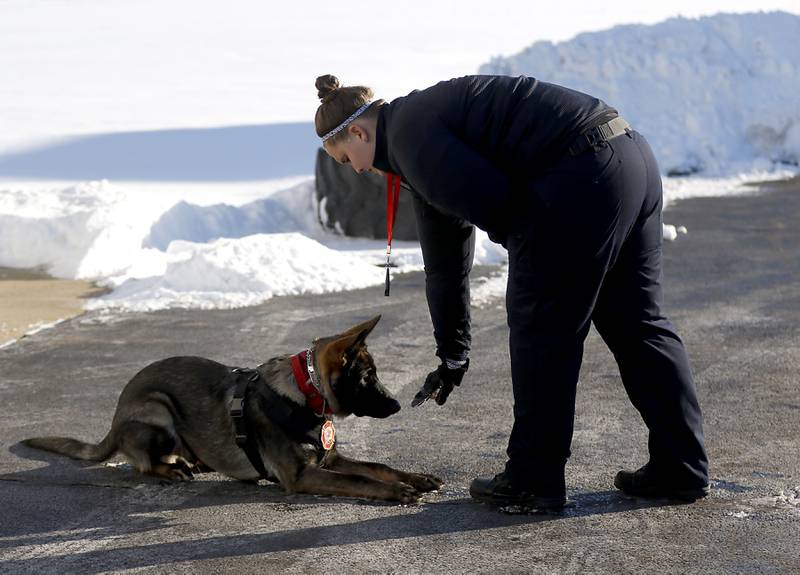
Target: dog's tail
75	448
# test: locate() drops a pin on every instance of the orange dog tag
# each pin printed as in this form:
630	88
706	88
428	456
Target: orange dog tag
328	435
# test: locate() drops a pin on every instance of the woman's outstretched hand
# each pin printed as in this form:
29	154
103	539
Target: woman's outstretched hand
439	384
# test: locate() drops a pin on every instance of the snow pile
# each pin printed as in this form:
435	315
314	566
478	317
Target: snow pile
715	95
238	272
55	229
164	253
185	221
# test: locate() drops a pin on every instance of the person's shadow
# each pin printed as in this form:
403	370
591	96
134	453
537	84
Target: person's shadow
134	503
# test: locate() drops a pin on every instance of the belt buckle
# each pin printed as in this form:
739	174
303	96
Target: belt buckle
237	407
591	137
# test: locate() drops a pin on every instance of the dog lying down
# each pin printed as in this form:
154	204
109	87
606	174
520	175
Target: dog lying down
184	415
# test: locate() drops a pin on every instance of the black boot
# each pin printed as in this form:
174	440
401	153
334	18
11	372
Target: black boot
498	490
646	482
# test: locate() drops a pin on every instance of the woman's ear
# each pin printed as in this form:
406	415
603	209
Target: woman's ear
358	131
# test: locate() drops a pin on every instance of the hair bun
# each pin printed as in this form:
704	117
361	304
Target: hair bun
327	86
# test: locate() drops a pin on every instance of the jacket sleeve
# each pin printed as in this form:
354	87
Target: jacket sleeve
451	175
448	246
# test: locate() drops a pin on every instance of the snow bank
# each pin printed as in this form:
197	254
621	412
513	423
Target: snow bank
238	272
715	95
55	229
158	254
185	221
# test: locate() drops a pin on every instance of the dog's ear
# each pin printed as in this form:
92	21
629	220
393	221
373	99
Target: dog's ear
363	329
340	349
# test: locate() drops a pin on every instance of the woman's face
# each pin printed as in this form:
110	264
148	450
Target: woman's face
356	149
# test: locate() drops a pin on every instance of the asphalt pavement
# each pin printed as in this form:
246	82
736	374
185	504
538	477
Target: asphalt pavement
732	289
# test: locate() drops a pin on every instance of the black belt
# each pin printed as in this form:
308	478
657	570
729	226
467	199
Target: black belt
597	134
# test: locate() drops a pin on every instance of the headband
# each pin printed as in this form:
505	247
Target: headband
346	123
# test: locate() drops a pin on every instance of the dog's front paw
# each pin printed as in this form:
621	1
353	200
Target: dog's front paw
424	482
175	468
171	473
404	493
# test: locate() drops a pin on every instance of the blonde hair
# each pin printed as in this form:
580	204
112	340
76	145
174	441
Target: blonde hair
339	103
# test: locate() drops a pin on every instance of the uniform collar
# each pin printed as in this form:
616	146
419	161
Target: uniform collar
381	160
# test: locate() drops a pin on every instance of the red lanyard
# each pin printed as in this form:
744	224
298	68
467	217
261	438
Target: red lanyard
392	199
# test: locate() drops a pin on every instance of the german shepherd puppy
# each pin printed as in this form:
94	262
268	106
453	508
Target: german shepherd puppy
174	418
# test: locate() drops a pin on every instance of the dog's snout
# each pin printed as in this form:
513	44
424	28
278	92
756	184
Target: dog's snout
387	409
389	406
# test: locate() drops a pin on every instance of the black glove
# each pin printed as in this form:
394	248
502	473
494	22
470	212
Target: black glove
440	383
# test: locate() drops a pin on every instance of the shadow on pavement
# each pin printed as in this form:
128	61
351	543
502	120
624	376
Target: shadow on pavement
134	511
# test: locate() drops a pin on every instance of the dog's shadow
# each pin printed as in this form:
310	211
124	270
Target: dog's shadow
137	504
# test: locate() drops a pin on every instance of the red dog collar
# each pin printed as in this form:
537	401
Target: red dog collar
306	384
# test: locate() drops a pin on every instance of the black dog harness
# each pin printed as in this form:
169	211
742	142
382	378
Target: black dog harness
298	422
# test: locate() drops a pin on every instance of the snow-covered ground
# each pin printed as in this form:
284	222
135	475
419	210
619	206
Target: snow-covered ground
166	149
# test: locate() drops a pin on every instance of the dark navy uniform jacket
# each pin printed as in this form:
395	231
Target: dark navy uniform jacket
468	149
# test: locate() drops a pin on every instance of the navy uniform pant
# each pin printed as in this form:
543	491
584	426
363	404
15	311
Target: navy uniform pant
589	250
